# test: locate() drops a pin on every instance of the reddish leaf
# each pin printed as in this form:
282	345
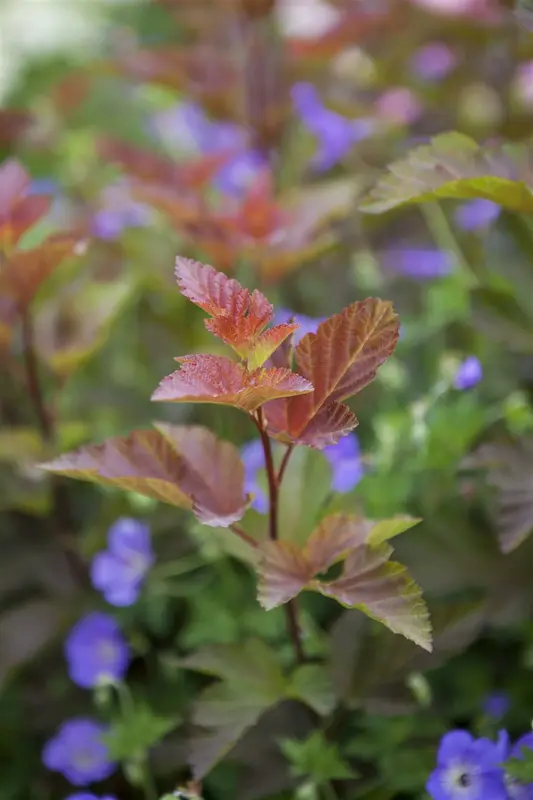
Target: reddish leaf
13	125
339	360
26	270
154	168
239	317
183	466
384	591
369	581
215	379
18	212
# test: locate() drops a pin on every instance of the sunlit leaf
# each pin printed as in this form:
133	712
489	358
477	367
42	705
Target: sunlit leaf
386	529
369	581
239	317
455	166
339	360
384	591
183	466
215	379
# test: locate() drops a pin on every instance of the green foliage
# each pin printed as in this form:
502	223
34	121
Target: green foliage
316	758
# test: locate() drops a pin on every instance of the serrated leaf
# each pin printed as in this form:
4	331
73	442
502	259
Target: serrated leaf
455	166
176	464
239	317
138	730
215	379
311	684
509	468
317	758
386	529
339	360
382	589
252	682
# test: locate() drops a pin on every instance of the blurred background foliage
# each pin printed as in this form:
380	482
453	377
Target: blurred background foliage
82	81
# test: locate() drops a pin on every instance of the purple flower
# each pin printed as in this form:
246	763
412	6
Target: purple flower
78	752
119	571
418	263
96	651
433	62
469	373
467	769
88	796
346	464
335	134
186	127
307	324
43	186
477	214
496	704
118	212
253	458
516	790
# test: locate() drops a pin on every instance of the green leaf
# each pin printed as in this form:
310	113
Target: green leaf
499	315
136	732
316	758
251	682
311	684
454	166
386	529
521	767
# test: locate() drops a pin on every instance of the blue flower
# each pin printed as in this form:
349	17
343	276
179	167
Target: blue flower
118	211
96	651
469	373
515	789
467	769
119	571
496	704
78	752
418	263
253	458
335	134
88	796
477	214
346	464
186	127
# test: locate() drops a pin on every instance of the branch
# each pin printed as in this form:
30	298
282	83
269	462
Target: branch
274	480
238	531
61	515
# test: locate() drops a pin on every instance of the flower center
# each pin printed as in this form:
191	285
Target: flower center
84	759
460	779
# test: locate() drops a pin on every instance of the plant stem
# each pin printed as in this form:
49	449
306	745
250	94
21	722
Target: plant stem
61	517
33	382
238	531
291	608
284	462
271	476
444	237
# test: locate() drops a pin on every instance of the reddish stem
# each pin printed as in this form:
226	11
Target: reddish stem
284	462
274	481
238	531
60	511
